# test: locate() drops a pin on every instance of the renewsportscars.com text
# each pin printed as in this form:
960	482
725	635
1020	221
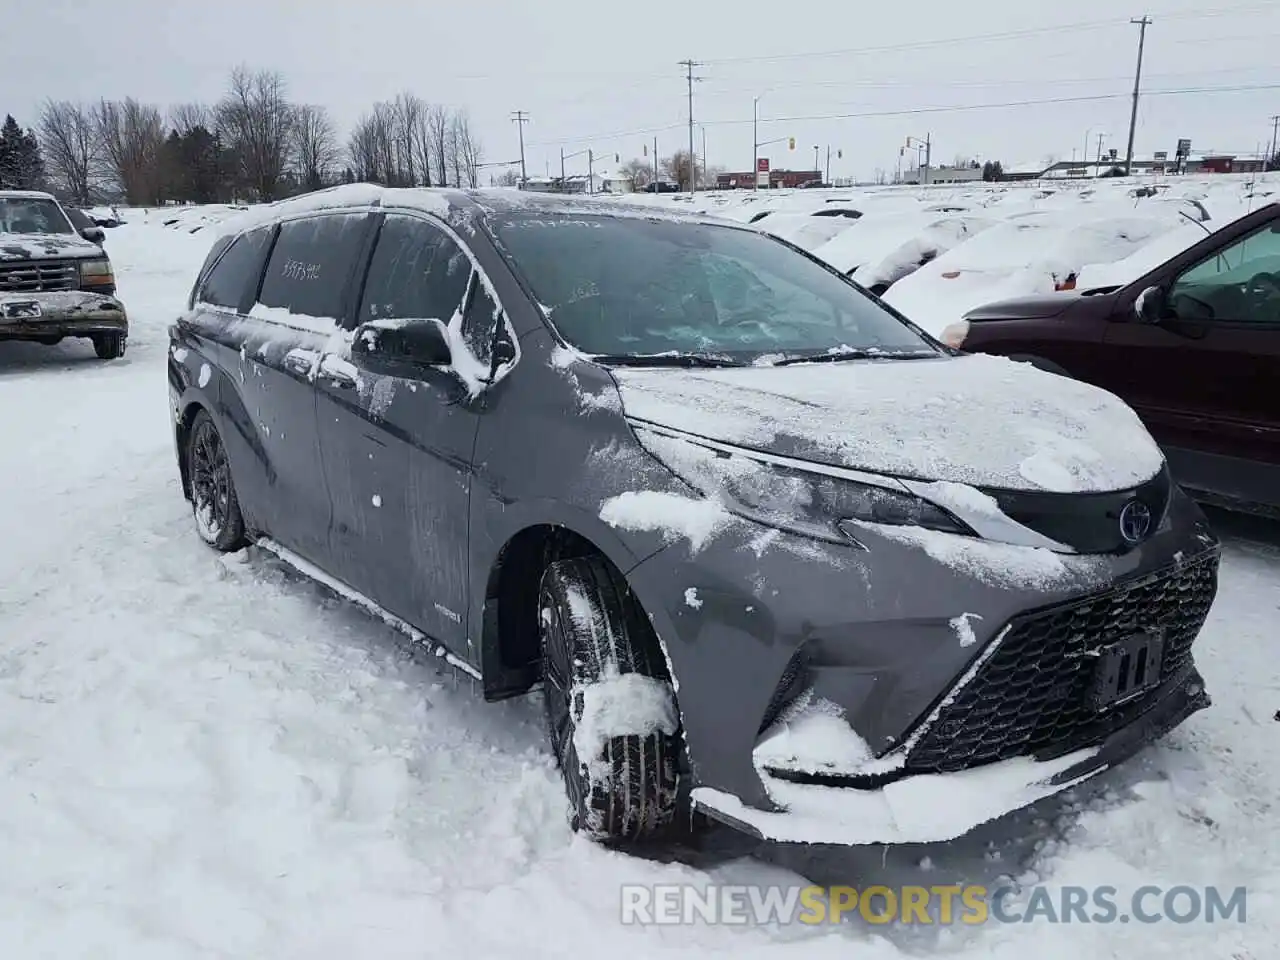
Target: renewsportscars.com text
940	904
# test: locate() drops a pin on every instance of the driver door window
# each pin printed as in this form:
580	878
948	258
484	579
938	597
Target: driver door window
1238	284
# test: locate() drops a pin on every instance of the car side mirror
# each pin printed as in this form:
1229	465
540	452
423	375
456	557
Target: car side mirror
1149	307
94	234
404	348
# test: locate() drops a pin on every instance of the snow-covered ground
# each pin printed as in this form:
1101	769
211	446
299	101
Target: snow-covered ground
209	757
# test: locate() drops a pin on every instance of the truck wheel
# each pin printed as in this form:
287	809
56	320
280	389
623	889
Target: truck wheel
108	346
611	709
213	494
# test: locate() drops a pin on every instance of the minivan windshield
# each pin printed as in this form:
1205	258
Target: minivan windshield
32	215
628	287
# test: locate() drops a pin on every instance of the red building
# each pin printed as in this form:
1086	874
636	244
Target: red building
777	179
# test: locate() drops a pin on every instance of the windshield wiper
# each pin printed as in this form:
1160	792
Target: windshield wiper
856	355
666	360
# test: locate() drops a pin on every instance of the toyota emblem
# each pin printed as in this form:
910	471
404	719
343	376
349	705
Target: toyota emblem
1135	521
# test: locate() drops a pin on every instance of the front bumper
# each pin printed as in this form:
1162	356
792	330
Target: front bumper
955	672
72	313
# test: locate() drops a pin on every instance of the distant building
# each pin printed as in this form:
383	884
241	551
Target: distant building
778	179
965	174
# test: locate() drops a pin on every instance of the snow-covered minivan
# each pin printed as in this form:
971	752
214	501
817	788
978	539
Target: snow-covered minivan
769	551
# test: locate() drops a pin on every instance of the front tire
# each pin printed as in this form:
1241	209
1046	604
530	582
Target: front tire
611	708
213	494
108	346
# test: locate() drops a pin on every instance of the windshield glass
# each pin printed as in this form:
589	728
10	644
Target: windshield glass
32	215
623	286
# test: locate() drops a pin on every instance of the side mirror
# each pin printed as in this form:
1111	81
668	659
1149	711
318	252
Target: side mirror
405	348
94	234
1149	307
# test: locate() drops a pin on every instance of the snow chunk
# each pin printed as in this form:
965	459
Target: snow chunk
812	735
669	513
963	629
621	705
287	318
691	598
1000	564
377	500
179	354
205	375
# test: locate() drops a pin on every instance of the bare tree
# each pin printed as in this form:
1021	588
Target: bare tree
371	146
255	120
438	125
315	146
465	150
72	150
509	177
412	139
677	168
132	137
640	171
185	117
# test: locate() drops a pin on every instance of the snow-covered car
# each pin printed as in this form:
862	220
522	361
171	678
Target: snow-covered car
56	281
770	551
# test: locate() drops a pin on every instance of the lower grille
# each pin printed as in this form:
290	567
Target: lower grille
39	277
1033	696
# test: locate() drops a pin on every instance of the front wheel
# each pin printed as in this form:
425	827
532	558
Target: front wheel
108	346
213	494
611	708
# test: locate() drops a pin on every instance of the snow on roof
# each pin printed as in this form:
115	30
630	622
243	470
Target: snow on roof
25	195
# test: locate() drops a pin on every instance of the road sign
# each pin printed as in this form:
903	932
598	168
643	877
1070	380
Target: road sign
1184	148
762	165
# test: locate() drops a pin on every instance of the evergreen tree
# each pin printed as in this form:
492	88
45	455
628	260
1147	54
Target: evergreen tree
21	163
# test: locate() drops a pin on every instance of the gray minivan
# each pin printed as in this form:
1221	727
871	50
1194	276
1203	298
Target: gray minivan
769	551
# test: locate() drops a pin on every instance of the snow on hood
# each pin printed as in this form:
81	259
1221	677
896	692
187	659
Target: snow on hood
45	246
975	419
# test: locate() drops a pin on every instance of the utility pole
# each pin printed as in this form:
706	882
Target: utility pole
1137	85
591	172
520	118
1100	136
827	178
755	143
693	165
655	164
1275	127
562	168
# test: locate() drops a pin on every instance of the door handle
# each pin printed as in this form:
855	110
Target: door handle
301	362
334	374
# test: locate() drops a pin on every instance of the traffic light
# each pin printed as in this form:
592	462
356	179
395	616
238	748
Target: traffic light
839	154
617	158
646	149
791	143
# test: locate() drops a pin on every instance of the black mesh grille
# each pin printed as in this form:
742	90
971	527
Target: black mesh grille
1032	697
790	685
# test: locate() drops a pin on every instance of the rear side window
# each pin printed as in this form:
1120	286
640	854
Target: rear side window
418	273
232	278
311	265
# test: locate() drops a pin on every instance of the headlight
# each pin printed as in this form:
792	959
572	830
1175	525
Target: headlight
954	334
96	273
809	504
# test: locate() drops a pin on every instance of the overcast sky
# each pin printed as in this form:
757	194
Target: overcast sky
606	75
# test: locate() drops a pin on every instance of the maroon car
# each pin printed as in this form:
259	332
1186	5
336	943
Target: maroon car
1193	346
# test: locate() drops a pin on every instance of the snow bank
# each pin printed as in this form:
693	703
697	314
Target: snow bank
621	705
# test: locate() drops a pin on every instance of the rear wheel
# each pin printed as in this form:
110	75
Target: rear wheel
611	708
213	494
108	346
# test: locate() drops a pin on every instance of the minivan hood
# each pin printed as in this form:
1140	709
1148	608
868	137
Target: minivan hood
46	246
980	420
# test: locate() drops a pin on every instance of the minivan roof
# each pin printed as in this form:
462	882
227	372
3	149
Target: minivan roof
25	195
455	205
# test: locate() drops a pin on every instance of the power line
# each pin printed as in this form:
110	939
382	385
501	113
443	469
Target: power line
915	111
987	37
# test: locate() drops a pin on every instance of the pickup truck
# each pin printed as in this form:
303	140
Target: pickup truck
56	281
